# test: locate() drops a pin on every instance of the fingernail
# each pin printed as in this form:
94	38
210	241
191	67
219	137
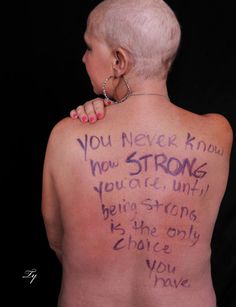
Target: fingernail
84	119
99	115
91	119
74	115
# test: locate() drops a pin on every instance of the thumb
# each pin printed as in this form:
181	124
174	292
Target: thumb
108	102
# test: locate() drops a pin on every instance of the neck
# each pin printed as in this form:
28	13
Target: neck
150	87
149	94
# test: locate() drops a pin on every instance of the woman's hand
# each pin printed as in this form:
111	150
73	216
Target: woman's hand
91	111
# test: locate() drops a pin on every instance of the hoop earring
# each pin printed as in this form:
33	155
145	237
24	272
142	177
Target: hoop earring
104	86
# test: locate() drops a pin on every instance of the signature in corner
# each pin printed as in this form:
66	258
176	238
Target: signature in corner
30	274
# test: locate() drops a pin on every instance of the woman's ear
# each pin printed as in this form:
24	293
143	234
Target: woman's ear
121	63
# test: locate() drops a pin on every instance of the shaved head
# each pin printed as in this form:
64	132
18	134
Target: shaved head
147	29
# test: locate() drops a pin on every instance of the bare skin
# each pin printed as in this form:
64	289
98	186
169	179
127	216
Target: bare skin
91	111
154	248
130	202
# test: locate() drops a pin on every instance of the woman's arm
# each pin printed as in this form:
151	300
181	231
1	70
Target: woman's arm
50	204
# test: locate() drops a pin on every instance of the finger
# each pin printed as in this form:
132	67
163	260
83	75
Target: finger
108	102
81	114
73	114
98	105
90	112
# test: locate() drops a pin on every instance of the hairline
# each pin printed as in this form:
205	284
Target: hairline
96	26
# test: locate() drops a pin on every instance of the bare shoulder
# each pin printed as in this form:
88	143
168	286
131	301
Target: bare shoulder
64	127
212	128
61	139
64	132
211	125
220	126
218	120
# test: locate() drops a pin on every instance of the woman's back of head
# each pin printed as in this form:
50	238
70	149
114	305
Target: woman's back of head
147	29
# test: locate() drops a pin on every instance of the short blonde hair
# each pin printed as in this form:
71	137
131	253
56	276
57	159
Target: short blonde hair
147	29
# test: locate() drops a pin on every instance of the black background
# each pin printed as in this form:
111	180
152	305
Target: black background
44	78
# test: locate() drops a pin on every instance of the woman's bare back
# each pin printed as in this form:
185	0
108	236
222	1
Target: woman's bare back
139	193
